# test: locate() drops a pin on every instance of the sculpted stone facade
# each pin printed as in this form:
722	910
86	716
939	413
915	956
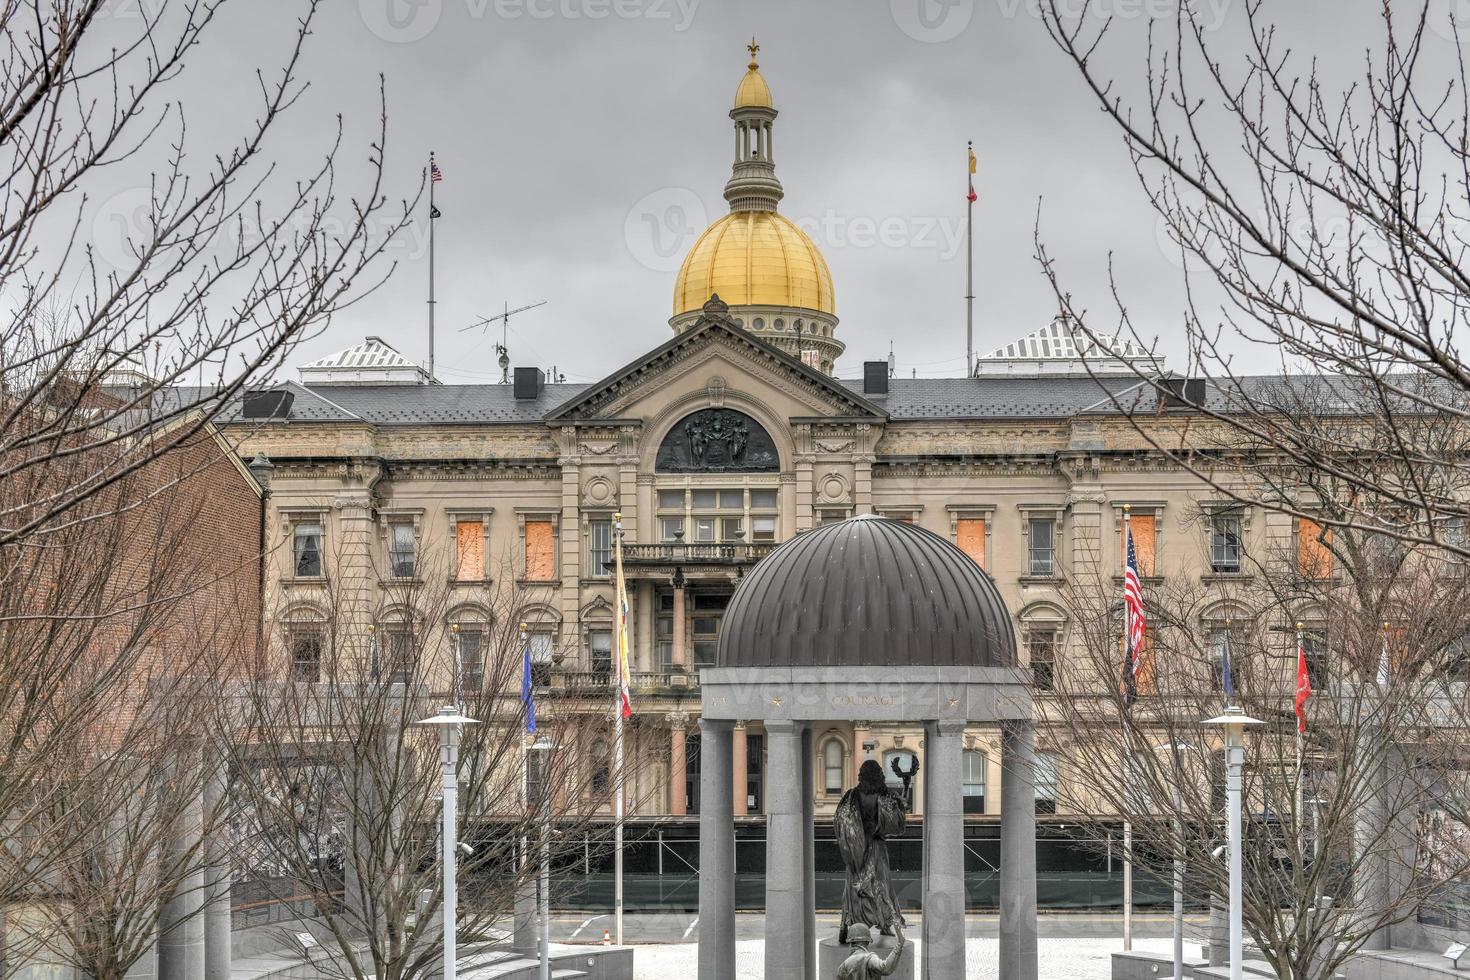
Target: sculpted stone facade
715	448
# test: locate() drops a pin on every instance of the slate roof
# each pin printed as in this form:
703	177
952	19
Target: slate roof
1053	397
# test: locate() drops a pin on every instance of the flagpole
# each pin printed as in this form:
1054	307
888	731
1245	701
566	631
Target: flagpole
618	794
432	182
970	266
1128	682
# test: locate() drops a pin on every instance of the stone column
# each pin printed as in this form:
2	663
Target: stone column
809	847
944	832
681	650
678	765
180	923
217	879
716	854
739	777
1371	879
785	854
1018	850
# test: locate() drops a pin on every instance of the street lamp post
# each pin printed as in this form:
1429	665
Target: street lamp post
1234	722
450	722
543	746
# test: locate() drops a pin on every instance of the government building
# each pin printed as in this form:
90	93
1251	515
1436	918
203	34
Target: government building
717	445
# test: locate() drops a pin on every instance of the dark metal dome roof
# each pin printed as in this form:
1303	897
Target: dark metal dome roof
869	592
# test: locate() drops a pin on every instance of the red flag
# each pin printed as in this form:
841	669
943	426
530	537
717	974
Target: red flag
1303	686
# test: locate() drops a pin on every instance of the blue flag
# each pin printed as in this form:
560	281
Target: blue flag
526	697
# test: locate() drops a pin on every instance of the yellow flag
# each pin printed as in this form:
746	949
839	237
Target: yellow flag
972	159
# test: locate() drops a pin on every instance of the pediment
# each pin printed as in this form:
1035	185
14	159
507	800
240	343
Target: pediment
717	348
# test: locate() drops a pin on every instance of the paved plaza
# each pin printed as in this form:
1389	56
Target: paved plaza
1071	946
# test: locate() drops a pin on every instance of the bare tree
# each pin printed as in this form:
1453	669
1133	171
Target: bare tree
1339	818
219	269
339	785
116	634
1320	220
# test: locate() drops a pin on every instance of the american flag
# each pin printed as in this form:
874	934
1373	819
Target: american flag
1134	621
435	174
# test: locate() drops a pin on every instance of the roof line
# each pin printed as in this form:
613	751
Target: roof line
344	411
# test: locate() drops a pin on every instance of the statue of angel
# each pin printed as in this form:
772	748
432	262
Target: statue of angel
866	817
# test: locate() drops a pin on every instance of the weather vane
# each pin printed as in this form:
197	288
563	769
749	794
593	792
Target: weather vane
752	47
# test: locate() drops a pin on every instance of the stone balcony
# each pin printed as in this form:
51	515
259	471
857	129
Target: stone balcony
590	683
694	555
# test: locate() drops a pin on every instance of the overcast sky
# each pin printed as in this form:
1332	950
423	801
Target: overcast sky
585	144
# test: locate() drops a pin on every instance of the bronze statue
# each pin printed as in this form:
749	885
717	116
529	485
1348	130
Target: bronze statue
866	816
863	965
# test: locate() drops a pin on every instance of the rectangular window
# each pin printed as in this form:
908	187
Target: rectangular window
704	529
1143	544
469	551
755	768
1041	546
706	499
400	656
306	549
543	650
1041	650
671	529
1314	647
1457	660
732	499
976	764
540	552
732	530
763	500
1313	550
600	652
671	499
969	534
471	660
306	656
1045	777
763	530
401	549
600	548
1225	543
663	630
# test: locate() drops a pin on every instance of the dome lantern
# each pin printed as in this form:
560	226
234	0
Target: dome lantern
770	271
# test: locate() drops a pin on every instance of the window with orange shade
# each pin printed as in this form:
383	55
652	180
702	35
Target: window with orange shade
469	550
1313	549
1143	544
1145	678
540	564
969	535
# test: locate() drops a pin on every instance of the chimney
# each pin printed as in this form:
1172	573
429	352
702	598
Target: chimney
528	383
875	377
1182	393
268	404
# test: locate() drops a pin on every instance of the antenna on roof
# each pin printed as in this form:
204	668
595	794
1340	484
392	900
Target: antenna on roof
502	349
892	363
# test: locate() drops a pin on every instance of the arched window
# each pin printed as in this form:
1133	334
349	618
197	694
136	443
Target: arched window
780	324
834	768
758	323
975	768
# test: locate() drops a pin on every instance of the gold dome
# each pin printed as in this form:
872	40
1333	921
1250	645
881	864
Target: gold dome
754	258
753	91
